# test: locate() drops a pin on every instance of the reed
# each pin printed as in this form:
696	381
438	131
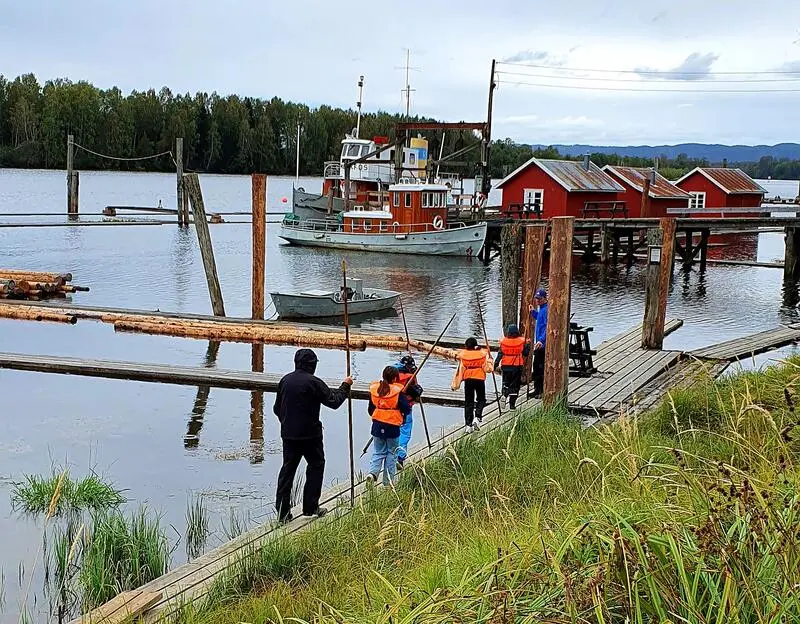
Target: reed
37	494
197	526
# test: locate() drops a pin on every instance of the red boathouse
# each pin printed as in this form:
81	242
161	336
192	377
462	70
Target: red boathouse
717	191
557	188
662	194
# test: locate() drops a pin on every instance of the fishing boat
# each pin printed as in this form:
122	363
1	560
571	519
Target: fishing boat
327	303
412	220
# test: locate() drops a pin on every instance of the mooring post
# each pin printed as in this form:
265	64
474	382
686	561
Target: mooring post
791	265
688	258
183	216
645	208
604	251
703	249
535	236
259	210
556	357
510	247
588	255
72	178
192	187
661	255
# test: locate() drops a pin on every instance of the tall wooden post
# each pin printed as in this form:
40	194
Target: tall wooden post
604	244
655	310
183	215
72	178
510	246
556	356
192	187
704	234
791	259
646	197
535	236
259	210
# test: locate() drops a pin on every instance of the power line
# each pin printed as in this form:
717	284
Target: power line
629	90
597	79
654	72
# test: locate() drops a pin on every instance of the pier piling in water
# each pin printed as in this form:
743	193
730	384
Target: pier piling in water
556	372
659	275
72	178
510	246
192	187
259	208
791	263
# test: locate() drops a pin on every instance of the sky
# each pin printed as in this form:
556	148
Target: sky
608	52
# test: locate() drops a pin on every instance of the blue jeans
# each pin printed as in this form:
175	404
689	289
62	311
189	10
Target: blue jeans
384	458
405	436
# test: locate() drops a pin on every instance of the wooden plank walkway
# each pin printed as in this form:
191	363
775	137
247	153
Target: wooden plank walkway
185	375
748	346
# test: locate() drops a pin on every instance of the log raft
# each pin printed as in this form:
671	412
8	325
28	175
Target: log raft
35	286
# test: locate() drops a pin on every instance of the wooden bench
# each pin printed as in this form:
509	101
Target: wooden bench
524	211
613	208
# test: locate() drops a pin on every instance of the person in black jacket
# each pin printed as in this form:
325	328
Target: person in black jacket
300	395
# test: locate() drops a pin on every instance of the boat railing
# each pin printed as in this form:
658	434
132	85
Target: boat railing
333	169
323	225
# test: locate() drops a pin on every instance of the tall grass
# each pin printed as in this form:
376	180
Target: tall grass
197	526
689	514
36	494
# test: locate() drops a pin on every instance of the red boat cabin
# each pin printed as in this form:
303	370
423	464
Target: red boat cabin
413	206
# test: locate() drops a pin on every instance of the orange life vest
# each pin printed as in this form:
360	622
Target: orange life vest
404	377
387	408
472	363
512	351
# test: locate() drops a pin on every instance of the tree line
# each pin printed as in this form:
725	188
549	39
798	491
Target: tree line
233	134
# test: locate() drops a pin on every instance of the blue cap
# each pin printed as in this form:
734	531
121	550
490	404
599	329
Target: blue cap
540	294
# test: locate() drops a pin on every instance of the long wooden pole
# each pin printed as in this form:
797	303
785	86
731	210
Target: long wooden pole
510	243
556	372
259	201
349	396
408	346
183	217
535	236
486	339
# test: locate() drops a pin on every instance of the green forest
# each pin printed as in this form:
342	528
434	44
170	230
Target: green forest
230	134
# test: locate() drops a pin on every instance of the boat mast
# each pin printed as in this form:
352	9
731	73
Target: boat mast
358	104
297	157
408	88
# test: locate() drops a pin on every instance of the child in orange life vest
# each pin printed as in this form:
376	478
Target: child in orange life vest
473	360
511	358
387	404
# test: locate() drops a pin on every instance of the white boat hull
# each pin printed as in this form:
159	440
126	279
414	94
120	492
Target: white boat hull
458	241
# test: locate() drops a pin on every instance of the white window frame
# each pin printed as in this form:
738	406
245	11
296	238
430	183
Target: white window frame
532	193
396	198
698	200
425	201
407	200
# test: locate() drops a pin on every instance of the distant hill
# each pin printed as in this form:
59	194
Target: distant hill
714	153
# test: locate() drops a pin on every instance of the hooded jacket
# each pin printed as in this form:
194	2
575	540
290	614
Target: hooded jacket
300	395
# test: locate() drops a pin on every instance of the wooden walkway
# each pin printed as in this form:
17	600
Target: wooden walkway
741	348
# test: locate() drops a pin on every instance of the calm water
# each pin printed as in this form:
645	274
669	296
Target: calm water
161	443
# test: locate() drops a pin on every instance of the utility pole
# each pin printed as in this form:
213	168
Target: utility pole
358	104
487	140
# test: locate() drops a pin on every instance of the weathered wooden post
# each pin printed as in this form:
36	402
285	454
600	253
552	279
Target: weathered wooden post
259	210
704	234
192	187
510	246
183	214
645	210
556	356
535	236
72	178
661	255
791	262
604	244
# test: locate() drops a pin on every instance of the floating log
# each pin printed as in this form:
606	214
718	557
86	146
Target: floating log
35	276
35	285
34	313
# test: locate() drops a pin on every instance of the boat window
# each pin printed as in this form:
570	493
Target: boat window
412	158
367	225
365	150
408	200
396	199
383	226
353	150
425	200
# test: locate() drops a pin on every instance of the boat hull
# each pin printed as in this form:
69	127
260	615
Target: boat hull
460	241
308	306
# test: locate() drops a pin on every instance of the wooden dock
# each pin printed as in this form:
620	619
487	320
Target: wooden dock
754	344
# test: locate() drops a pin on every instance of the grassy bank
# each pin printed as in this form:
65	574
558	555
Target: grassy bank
689	514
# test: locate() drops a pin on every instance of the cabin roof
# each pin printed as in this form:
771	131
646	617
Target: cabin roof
572	175
636	176
731	181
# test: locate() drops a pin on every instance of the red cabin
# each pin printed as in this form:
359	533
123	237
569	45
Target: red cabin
413	207
719	191
557	188
663	194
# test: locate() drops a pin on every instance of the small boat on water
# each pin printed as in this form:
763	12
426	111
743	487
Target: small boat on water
317	303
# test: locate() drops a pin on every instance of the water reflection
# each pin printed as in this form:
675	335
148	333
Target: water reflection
195	424
182	257
257	408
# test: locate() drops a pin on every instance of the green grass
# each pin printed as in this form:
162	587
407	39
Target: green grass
37	494
688	514
197	526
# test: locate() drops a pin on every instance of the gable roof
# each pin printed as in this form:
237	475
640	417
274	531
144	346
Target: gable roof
571	175
635	177
731	181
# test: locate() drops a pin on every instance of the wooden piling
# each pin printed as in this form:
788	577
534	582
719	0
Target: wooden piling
556	372
259	209
688	249
791	261
704	234
658	288
183	213
510	245
535	236
72	178
604	244
645	208
192	187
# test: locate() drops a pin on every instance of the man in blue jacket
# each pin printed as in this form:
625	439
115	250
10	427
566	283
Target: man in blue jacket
539	318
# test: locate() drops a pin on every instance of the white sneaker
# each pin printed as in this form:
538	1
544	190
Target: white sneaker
475	426
468	428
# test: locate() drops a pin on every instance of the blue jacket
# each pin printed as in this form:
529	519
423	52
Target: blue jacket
539	316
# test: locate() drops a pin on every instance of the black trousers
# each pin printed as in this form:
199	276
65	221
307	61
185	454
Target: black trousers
538	371
313	451
474	399
512	380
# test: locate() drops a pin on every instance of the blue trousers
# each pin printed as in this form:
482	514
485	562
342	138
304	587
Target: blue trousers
405	436
384	458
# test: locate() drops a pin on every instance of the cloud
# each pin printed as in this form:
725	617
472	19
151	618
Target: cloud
696	66
539	56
